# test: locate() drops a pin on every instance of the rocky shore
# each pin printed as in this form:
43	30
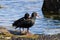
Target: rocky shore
41	37
9	35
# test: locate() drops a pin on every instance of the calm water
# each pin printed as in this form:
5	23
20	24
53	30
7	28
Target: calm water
13	10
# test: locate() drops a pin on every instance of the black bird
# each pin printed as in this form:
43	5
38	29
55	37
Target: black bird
19	23
31	21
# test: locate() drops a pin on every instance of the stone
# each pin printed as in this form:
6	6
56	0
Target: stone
51	9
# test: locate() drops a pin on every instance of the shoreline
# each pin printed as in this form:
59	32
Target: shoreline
41	37
14	35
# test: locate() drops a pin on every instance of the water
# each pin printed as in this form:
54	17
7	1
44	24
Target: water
15	9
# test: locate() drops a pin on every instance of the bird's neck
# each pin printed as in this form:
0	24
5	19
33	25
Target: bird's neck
34	18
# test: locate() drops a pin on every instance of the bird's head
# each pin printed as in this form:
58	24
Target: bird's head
35	14
26	15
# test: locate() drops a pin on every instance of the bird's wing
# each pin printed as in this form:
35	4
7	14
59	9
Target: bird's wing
28	21
19	21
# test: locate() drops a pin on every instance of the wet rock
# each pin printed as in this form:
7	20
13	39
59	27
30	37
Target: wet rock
51	9
4	32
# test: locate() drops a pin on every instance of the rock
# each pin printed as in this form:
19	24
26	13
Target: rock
4	32
7	37
51	9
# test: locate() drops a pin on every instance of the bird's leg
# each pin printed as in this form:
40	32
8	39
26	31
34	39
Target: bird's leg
27	30
20	30
23	29
28	33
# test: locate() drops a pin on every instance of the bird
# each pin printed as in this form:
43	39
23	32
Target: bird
19	23
31	21
26	21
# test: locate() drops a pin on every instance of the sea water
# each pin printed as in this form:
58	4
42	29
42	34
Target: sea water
14	9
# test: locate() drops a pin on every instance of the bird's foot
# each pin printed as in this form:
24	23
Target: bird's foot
23	32
28	34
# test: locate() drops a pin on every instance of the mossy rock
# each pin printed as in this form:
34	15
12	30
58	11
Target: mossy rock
25	36
6	34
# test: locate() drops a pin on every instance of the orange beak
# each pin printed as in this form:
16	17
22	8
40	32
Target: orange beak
38	16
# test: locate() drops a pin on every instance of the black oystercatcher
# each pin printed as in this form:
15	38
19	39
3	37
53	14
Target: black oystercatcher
19	23
30	22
